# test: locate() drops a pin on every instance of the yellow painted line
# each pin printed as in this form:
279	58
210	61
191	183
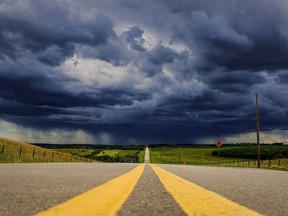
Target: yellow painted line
195	200
106	199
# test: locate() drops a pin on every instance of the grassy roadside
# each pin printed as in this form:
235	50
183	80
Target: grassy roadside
196	156
203	156
17	152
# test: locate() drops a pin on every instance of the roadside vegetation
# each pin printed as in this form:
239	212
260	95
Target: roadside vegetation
268	152
272	156
185	155
18	152
115	154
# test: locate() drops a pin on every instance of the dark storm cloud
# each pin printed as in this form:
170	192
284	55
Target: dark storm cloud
134	36
13	108
238	35
234	81
113	52
52	38
161	55
164	71
42	91
283	77
156	59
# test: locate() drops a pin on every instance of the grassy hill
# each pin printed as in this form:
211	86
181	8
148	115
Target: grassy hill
17	152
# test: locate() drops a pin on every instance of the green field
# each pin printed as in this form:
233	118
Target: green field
117	151
268	152
101	154
276	156
123	153
17	152
203	156
197	156
79	152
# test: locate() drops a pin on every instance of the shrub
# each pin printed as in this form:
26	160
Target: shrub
267	152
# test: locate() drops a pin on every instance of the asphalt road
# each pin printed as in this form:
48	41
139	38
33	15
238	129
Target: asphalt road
26	189
147	156
150	198
265	191
30	188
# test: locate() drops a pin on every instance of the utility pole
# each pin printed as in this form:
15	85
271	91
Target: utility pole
257	130
179	154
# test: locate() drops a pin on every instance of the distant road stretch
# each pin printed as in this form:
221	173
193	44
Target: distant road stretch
140	189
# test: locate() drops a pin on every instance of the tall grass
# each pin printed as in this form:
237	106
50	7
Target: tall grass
16	152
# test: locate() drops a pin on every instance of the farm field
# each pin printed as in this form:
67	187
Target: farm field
117	151
205	156
81	152
274	157
18	152
123	153
196	156
106	155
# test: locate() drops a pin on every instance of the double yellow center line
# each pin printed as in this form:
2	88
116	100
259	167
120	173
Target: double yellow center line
107	199
195	200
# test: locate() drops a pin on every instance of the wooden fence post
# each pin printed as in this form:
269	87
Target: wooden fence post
33	154
20	152
44	154
2	150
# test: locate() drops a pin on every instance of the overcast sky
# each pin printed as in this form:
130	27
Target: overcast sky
146	71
